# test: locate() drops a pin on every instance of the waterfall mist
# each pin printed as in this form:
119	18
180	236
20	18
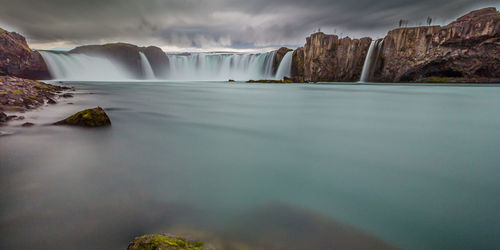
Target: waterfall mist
221	67
180	67
147	70
65	66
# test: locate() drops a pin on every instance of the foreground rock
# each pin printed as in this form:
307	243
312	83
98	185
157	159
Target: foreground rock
17	59
466	50
95	117
17	94
164	242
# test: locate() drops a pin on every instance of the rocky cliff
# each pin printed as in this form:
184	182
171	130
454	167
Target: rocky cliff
466	50
17	59
128	55
278	57
328	58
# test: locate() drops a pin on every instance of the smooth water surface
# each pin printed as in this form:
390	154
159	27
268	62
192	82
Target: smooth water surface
417	167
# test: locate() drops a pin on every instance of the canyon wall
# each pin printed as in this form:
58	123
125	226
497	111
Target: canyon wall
328	58
466	50
17	59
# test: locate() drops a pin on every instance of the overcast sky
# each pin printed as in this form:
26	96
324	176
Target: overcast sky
216	24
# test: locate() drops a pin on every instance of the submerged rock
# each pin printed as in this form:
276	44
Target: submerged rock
164	242
95	117
3	117
28	124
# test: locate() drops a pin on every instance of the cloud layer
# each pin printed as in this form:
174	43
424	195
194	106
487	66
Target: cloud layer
215	24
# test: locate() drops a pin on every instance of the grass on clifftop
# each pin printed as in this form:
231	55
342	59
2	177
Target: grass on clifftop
164	242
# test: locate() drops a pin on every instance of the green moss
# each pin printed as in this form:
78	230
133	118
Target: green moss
437	80
159	241
270	81
87	118
17	92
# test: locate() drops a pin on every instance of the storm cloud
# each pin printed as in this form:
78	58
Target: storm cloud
208	24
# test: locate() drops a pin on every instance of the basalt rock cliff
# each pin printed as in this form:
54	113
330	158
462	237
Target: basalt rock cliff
328	58
466	50
17	59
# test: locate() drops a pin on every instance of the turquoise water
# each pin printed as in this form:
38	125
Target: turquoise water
416	167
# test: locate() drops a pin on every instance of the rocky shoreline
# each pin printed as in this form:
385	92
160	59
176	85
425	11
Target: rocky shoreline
20	95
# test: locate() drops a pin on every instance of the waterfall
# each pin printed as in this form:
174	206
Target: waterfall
221	67
371	60
147	70
285	68
64	66
184	67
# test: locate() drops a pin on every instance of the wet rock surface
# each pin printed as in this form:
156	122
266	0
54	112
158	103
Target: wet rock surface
95	117
18	94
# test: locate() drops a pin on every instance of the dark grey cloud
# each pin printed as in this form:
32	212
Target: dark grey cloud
218	23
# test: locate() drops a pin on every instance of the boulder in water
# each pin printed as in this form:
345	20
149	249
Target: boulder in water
3	117
95	117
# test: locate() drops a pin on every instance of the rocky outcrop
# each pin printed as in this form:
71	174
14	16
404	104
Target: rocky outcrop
278	57
17	59
158	60
298	65
17	94
165	241
128	55
95	117
466	50
328	58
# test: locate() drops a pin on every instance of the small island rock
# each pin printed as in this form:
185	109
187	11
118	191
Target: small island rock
95	117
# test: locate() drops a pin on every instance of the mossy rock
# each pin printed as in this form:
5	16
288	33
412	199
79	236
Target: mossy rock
163	242
95	117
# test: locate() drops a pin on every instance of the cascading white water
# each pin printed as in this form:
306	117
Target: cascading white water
221	67
285	68
371	59
191	67
65	66
367	64
147	70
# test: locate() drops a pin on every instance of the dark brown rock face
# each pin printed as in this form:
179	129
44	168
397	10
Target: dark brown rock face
158	60
17	59
128	55
278	57
328	58
467	49
298	65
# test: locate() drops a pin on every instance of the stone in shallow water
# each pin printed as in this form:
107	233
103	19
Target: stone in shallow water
95	117
3	117
28	124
